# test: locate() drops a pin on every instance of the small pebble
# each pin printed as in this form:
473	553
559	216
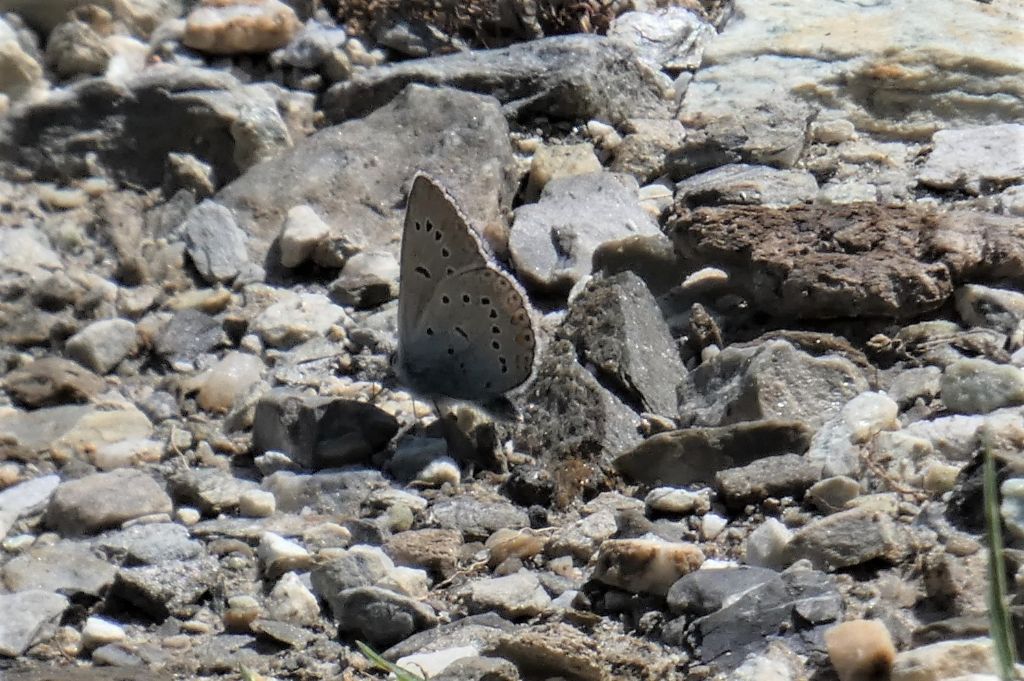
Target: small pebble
256	503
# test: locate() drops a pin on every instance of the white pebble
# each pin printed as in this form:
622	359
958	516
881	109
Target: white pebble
98	632
256	503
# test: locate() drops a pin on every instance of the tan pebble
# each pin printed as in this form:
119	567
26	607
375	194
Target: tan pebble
860	650
645	565
507	543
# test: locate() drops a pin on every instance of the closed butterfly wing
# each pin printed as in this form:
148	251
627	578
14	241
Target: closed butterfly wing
437	242
475	339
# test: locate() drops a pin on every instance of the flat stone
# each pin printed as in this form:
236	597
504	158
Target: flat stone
670	38
476	162
552	242
744	184
705	591
945	660
995	308
50	381
771	380
69	568
165	589
516	596
367	280
150	543
102	345
433	549
26	617
798	601
212	490
567	77
215	242
617	327
860	260
335	492
555	649
476	518
772	476
188	334
24	499
848	538
104	500
978	386
296	318
975	159
681	457
111	118
837	445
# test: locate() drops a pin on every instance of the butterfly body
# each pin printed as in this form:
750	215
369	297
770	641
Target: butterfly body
465	329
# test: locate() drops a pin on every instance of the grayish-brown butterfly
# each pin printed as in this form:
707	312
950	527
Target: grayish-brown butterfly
465	328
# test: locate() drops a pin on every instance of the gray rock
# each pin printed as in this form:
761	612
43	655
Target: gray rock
24	499
771	380
572	417
772	135
27	617
479	669
475	518
479	631
832	494
50	381
681	457
379	616
74	49
703	592
310	47
794	605
368	279
348	569
69	568
150	543
296	318
644	150
975	159
168	588
915	383
211	490
848	538
995	308
617	327
570	77
433	549
188	334
320	432
341	492
102	345
29	433
669	38
838	444
475	163
978	386
215	242
771	476
413	455
516	596
108	126
651	257
749	185
552	242
104	500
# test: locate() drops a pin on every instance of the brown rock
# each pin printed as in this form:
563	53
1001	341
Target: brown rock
860	650
824	262
52	380
432	549
645	565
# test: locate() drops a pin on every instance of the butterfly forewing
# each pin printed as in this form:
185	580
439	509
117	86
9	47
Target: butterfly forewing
437	243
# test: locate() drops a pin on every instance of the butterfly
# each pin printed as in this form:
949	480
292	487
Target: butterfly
465	327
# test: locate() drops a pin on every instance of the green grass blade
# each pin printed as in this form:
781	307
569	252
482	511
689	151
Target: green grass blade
999	615
372	656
